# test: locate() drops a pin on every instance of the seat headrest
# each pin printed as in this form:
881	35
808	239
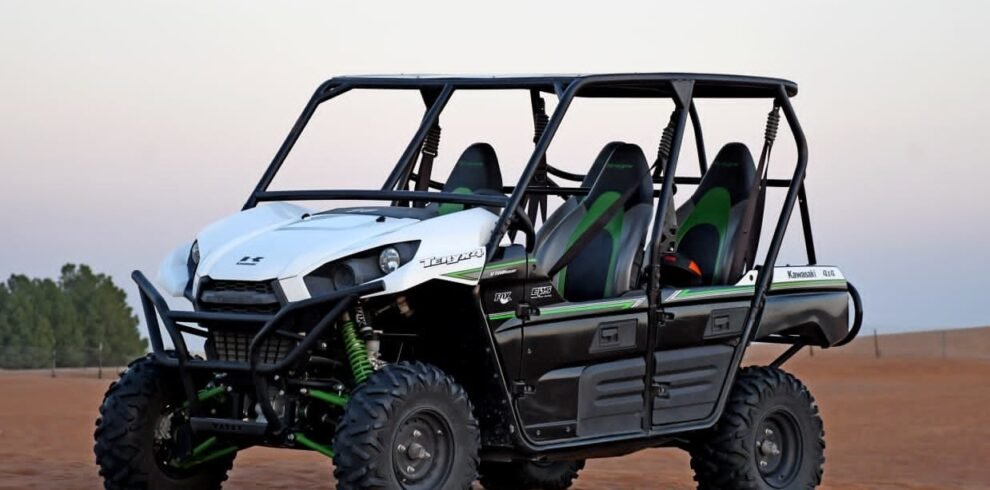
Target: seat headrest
476	169
624	168
596	167
732	170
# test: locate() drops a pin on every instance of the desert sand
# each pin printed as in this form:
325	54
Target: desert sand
910	420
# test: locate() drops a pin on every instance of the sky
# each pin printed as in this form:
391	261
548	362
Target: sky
125	127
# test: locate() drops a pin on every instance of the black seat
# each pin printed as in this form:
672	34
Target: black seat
572	202
607	263
710	231
476	172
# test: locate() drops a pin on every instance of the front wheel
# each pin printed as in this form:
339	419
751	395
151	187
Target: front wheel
141	430
770	437
409	427
530	475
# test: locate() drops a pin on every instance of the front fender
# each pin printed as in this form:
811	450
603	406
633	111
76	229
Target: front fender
173	273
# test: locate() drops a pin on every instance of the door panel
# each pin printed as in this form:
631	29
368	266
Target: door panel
583	374
579	341
691	379
692	357
610	398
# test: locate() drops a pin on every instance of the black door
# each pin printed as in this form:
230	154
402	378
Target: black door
583	368
692	355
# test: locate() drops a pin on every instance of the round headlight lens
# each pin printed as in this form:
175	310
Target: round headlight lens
389	260
194	252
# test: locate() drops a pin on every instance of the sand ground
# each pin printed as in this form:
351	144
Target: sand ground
897	422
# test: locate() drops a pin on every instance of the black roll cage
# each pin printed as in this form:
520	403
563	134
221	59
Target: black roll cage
682	88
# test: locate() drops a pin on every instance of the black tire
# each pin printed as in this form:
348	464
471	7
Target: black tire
410	427
769	437
125	435
530	475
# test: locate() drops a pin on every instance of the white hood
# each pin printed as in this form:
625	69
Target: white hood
284	242
288	249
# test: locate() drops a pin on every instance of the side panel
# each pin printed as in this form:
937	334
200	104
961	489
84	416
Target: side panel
693	356
611	397
820	317
583	375
695	348
691	379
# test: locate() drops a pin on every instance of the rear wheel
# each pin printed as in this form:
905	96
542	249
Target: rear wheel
770	436
409	427
530	475
140	436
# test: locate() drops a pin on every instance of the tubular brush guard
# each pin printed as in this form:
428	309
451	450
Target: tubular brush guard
155	307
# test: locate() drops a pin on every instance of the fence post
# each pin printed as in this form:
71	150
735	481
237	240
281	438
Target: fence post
54	352
876	344
99	356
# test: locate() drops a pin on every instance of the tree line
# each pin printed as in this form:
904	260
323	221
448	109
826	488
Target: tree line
69	318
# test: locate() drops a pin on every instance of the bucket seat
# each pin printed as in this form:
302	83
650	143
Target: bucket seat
606	259
476	172
711	222
572	202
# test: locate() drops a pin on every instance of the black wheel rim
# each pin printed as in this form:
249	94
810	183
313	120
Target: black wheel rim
164	441
778	449
423	450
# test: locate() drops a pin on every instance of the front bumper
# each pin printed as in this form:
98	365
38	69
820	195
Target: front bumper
177	323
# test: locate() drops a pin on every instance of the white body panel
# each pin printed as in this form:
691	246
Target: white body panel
282	241
796	273
173	274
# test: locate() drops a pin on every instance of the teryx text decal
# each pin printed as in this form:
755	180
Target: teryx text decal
453	259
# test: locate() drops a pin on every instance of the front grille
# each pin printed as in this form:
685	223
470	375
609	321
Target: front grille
232	345
238	297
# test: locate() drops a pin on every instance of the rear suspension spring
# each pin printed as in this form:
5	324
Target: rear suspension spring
357	354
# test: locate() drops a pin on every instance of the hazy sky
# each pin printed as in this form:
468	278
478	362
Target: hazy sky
125	127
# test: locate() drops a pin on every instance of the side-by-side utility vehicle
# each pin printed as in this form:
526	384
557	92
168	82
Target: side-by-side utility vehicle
438	336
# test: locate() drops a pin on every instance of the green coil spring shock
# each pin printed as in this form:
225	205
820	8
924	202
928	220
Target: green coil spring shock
357	354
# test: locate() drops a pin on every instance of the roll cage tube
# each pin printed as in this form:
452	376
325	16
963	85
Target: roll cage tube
655	316
699	139
324	93
404	167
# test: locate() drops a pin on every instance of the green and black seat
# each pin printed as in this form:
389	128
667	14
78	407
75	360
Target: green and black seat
606	259
476	172
572	202
711	222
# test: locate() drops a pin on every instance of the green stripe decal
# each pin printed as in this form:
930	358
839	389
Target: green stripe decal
475	273
502	316
578	308
685	294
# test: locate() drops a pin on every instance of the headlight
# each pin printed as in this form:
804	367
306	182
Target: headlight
389	260
194	252
359	268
